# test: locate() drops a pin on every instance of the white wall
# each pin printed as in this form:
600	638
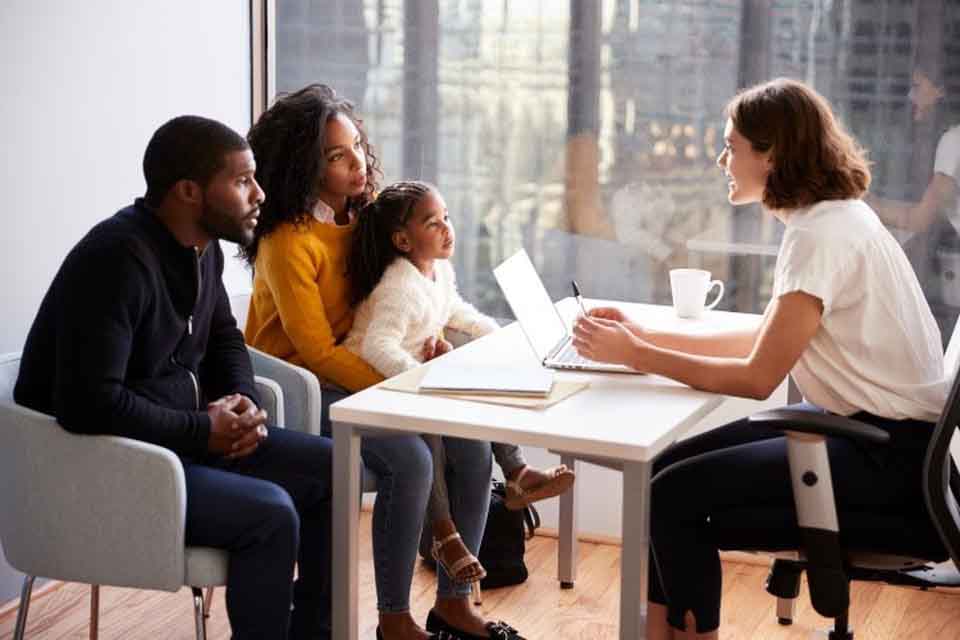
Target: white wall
84	85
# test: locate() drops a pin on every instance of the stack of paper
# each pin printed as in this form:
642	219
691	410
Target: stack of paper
409	382
487	380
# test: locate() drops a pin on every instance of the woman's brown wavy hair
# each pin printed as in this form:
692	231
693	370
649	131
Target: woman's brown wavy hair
287	142
813	157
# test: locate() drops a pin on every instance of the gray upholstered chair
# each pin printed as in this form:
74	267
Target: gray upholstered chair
98	509
301	399
301	389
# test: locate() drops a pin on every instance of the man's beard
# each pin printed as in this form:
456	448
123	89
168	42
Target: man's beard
222	226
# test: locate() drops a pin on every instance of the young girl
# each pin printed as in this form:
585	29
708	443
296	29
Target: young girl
405	287
847	319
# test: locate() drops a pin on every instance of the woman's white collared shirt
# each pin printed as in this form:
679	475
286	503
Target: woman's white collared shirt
878	348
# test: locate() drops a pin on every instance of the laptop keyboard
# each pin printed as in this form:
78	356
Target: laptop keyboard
569	356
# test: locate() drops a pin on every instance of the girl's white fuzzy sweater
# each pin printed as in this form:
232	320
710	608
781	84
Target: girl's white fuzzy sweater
406	308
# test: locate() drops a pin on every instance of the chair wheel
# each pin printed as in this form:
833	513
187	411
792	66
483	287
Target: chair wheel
786	622
566	585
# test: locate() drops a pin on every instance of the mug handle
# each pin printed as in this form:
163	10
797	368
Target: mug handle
715	283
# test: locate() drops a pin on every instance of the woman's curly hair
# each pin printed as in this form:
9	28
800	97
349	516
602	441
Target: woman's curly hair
288	142
373	250
813	157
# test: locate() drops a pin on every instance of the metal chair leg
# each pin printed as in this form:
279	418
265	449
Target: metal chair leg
94	611
25	591
841	628
208	602
786	610
199	622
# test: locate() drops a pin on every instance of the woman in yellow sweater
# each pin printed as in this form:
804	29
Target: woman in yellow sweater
316	165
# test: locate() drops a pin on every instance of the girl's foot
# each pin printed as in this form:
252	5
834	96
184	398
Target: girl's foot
450	553
456	560
527	484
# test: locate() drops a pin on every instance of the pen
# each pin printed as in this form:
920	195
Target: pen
576	294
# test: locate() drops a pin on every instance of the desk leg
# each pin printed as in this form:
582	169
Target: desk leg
635	554
346	522
569	544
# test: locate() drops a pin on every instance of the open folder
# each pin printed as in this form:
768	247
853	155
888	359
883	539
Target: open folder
409	382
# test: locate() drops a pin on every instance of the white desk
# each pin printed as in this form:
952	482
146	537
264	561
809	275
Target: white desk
627	419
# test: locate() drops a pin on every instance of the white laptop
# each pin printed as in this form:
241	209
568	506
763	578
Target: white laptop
546	331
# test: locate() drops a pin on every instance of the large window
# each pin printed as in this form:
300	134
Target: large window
586	131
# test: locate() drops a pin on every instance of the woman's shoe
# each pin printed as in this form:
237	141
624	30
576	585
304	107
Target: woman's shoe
442	635
496	630
560	479
456	571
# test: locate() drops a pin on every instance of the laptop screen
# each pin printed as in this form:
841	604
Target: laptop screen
531	303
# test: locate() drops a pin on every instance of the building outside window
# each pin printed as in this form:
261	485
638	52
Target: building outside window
586	131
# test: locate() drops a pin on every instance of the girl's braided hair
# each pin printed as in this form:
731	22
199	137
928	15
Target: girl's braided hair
373	249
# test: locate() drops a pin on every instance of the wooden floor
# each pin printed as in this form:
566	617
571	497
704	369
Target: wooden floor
538	608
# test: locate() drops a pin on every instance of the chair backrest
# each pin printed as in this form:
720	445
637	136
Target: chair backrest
240	304
951	357
951	364
9	368
940	484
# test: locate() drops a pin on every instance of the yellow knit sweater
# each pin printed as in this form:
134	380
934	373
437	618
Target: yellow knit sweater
300	309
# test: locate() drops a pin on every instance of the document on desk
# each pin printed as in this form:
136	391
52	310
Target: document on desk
532	382
410	381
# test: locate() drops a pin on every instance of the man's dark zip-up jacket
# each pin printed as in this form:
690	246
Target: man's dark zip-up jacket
135	336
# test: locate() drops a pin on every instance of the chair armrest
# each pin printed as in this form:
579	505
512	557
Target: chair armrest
301	390
94	509
271	400
820	424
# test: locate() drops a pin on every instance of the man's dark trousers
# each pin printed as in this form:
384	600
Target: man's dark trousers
269	510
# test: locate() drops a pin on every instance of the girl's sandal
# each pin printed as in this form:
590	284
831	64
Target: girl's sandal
457	571
559	480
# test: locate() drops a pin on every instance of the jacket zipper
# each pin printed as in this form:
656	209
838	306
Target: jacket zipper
193	377
196	388
196	264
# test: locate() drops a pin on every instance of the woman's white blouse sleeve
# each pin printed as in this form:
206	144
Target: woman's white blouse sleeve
808	263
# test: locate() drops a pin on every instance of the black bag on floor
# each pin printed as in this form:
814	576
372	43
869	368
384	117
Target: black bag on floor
504	541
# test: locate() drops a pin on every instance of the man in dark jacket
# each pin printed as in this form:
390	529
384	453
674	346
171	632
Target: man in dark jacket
135	338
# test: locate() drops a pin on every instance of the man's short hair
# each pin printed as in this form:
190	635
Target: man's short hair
187	148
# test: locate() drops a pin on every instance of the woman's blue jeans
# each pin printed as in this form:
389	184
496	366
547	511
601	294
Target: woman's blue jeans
404	471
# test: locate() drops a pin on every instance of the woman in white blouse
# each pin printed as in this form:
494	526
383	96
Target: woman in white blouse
940	198
847	319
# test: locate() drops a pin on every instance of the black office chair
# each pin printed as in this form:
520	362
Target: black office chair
929	557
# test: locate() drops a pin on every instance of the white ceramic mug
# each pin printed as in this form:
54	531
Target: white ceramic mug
690	288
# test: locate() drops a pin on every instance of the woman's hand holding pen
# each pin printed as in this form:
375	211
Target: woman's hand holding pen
614	314
604	339
608	313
